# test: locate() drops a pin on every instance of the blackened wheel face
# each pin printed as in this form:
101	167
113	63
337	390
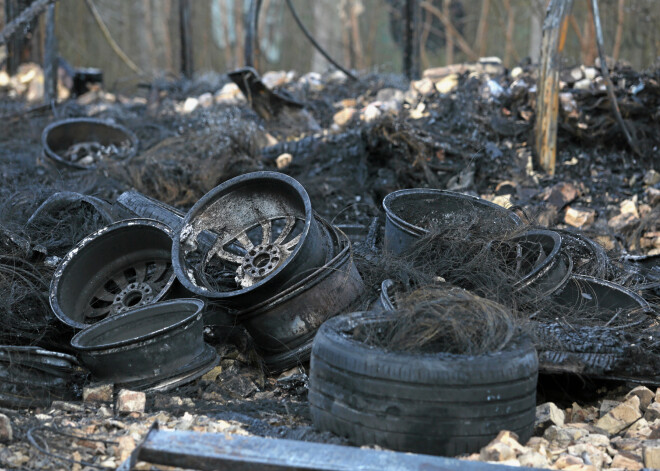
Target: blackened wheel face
249	238
129	288
239	260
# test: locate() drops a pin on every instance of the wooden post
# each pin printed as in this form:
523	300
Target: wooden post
50	57
547	95
185	29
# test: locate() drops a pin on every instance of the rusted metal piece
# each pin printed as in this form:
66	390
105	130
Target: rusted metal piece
284	326
118	268
411	213
33	377
63	135
146	346
264	237
265	102
547	98
220	452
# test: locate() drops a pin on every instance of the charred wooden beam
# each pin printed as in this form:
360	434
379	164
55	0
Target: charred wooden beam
218	452
547	98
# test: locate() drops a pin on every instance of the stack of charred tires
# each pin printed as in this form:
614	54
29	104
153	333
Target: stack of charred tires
250	252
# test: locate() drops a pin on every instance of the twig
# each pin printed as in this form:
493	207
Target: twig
608	81
25	17
108	37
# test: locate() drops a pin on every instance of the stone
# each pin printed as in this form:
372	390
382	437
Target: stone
205	100
213	374
447	84
533	459
653	197
548	414
98	393
652	412
283	160
620	417
511	440
516	72
371	113
596	439
624	462
390	98
343	117
639	429
130	401
579	217
497	451
652	177
566	460
424	87
589	454
645	395
561	194
607	405
538	444
4	79
563	436
273	79
580	414
589	72
190	105
125	446
651	453
6	432
584	84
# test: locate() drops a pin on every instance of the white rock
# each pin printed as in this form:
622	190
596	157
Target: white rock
6	432
190	104
131	401
371	113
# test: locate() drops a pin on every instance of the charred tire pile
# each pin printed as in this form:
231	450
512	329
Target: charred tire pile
255	246
438	403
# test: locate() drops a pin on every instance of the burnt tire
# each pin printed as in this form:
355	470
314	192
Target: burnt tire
441	404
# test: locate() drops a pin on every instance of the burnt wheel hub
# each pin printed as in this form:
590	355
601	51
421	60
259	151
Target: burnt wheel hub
261	260
132	296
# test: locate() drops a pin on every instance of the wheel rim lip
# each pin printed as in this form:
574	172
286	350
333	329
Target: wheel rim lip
418	231
181	266
93	238
548	262
77	341
615	288
50	153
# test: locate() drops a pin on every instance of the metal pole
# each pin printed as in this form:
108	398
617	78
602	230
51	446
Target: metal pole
411	40
185	29
50	57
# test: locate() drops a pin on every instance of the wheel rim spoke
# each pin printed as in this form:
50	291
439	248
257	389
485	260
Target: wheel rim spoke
141	272
290	222
292	243
266	231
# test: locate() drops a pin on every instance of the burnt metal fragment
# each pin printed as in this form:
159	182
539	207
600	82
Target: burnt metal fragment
143	348
265	237
33	377
411	214
118	268
219	452
82	142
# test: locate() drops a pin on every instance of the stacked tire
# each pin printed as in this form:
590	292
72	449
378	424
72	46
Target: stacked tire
440	403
